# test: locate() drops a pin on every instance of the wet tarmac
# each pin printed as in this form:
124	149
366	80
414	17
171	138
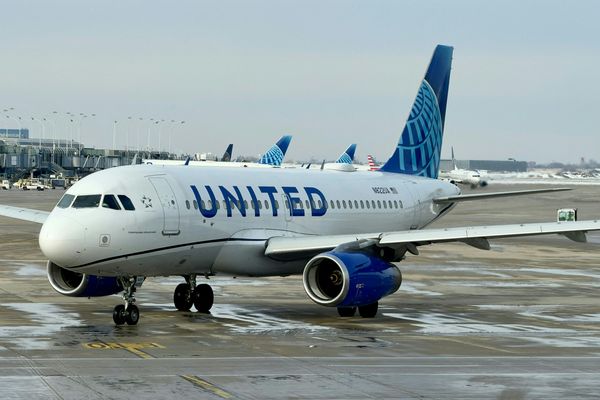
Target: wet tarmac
519	321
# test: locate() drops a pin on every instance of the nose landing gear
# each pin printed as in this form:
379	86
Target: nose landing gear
186	294
128	313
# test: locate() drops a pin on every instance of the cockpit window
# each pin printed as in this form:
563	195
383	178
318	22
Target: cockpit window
127	204
66	201
109	201
87	201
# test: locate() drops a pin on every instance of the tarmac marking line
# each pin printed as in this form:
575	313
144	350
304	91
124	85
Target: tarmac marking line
197	381
134	348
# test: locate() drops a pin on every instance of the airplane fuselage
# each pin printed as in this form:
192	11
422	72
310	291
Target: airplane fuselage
217	220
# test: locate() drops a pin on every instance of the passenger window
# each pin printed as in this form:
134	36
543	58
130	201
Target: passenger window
378	203
350	204
362	204
373	204
321	204
66	201
395	204
355	204
195	205
390	203
87	201
384	204
344	203
217	204
245	203
109	201
203	204
332	204
368	204
259	204
307	204
266	205
187	204
126	201
337	203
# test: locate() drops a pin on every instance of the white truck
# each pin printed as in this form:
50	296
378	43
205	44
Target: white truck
6	185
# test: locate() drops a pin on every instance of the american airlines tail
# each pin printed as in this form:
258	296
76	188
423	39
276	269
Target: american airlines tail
276	153
420	145
347	157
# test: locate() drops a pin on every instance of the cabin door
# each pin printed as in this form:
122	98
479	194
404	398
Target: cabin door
169	205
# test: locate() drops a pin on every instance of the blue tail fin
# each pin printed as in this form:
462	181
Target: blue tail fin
420	145
348	156
228	153
276	153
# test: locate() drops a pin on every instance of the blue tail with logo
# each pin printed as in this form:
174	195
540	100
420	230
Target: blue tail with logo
348	156
420	145
276	153
228	153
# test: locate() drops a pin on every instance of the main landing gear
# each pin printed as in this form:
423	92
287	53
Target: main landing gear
188	294
128	313
368	311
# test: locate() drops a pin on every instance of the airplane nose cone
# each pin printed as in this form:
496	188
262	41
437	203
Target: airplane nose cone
62	240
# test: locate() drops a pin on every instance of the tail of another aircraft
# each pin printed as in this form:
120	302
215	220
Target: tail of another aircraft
420	145
453	159
276	153
348	156
372	166
228	153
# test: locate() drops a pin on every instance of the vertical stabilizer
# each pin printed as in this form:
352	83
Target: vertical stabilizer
453	159
228	152
419	148
276	153
348	156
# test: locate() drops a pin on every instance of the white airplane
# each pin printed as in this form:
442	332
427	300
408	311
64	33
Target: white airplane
463	176
272	158
343	163
341	230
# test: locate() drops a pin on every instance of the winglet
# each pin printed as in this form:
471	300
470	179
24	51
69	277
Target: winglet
276	153
348	156
187	160
419	147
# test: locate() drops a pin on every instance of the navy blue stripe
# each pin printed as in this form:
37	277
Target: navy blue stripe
167	248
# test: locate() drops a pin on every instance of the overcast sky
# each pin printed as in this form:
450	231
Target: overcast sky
525	78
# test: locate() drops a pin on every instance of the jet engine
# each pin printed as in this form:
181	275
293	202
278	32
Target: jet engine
349	278
74	284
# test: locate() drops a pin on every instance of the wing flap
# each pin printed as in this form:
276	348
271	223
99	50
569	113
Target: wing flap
26	214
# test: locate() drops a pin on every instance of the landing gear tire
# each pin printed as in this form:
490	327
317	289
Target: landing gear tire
132	315
203	298
128	313
182	297
346	311
368	311
119	314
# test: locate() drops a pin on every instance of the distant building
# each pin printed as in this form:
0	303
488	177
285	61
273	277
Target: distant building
14	133
488	165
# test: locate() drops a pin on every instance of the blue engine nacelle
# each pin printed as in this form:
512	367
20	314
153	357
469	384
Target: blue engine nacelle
71	283
349	278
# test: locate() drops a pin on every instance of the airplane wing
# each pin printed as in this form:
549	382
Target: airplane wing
289	248
26	214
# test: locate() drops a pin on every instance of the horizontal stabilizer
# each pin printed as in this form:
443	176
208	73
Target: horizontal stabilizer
493	195
26	214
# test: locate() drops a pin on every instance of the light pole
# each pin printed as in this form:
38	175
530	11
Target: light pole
114	135
39	121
